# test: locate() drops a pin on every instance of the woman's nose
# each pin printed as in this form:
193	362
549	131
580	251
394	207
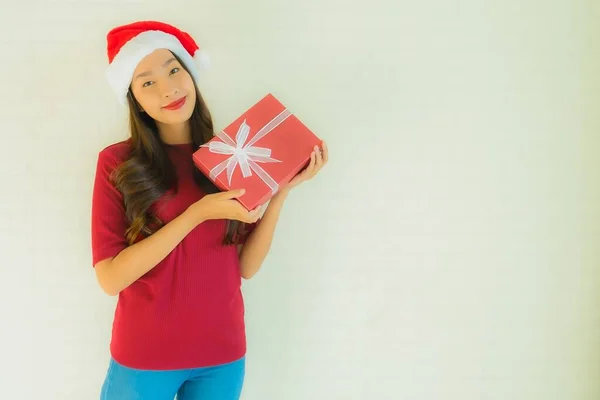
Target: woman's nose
169	90
171	93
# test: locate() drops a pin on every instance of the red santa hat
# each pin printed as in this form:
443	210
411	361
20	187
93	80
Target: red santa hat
128	44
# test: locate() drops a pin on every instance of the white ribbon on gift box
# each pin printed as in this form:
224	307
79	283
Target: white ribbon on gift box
245	154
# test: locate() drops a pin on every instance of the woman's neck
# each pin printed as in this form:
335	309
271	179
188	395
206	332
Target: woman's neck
175	134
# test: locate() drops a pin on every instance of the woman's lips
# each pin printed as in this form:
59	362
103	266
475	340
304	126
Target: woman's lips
177	104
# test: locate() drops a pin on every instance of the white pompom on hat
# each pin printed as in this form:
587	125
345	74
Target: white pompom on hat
128	44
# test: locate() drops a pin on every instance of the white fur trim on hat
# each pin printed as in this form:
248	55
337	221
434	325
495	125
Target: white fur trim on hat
120	72
202	59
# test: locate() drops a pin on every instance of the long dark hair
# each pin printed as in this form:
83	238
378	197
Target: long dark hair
148	173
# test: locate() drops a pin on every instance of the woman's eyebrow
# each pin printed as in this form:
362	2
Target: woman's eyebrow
170	60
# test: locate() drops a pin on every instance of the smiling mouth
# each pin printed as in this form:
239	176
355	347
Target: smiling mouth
177	104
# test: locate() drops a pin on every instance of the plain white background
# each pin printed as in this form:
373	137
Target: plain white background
448	251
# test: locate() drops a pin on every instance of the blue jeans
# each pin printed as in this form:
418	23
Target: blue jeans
222	382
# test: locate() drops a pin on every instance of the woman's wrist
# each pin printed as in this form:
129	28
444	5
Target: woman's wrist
196	214
282	194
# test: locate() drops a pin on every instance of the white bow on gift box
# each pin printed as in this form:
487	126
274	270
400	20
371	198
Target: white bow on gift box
245	154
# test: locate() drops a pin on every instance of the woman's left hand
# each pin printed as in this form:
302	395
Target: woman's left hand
318	159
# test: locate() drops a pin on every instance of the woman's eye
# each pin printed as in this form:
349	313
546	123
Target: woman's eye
173	71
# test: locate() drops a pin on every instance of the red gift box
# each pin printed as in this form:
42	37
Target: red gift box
261	151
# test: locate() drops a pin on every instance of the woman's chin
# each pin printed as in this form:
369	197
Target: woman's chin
174	118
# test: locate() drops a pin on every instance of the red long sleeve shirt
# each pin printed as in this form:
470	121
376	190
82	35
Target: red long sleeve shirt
187	311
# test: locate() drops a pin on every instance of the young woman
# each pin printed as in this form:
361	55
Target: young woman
164	239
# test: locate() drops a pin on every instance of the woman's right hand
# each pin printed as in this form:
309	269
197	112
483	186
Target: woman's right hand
223	205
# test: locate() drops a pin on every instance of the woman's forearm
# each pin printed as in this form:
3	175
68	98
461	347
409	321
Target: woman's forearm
130	264
257	246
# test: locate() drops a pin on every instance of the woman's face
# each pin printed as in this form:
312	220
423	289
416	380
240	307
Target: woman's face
163	88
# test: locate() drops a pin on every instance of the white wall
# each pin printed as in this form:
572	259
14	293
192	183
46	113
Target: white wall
448	251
